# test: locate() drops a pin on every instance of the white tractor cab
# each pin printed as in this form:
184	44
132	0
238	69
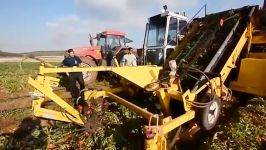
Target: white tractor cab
163	32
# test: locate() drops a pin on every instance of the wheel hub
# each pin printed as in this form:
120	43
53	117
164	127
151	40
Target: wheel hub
213	112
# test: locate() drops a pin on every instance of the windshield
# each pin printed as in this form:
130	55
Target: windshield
101	41
156	31
113	41
182	27
172	33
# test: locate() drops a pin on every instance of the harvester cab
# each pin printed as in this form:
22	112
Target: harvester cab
163	32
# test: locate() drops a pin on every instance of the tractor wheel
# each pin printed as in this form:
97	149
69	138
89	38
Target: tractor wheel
88	76
119	56
208	116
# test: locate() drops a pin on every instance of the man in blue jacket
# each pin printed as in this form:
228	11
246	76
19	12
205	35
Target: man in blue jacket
74	77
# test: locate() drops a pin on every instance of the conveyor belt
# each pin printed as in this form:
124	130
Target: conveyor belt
208	46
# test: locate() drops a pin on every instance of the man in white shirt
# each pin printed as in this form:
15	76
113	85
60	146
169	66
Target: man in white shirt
129	59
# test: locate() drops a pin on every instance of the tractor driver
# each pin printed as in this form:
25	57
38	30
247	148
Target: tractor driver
71	61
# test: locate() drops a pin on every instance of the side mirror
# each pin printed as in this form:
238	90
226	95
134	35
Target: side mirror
91	40
98	36
127	40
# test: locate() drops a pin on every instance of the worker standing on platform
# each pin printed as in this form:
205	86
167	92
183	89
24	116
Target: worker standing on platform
71	61
129	59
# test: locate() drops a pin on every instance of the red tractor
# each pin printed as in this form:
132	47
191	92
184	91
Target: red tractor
109	44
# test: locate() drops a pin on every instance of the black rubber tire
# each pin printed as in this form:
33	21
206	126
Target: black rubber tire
119	56
89	77
208	116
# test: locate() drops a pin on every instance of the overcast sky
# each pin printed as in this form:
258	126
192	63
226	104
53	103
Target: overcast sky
31	25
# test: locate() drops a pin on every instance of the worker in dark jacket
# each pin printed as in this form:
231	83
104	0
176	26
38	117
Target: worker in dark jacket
74	77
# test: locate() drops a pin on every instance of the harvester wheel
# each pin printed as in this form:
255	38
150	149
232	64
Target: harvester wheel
208	116
88	76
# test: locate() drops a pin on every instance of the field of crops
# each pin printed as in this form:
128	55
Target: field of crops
241	127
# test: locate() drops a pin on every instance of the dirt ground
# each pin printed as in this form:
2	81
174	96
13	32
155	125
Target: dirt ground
14	101
10	103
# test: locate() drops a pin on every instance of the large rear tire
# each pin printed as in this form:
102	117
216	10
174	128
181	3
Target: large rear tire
119	56
89	76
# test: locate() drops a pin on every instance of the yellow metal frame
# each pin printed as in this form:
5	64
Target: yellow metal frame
141	76
132	74
69	115
251	77
44	84
259	39
252	72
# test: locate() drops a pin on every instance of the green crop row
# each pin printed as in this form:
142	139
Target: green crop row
13	79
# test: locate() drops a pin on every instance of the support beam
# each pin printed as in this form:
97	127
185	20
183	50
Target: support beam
141	111
171	125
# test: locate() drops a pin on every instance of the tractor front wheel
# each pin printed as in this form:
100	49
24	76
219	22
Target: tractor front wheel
88	76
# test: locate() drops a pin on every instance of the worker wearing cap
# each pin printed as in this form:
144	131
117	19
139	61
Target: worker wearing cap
71	61
129	59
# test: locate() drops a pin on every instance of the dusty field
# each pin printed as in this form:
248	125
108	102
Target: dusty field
17	100
45	58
